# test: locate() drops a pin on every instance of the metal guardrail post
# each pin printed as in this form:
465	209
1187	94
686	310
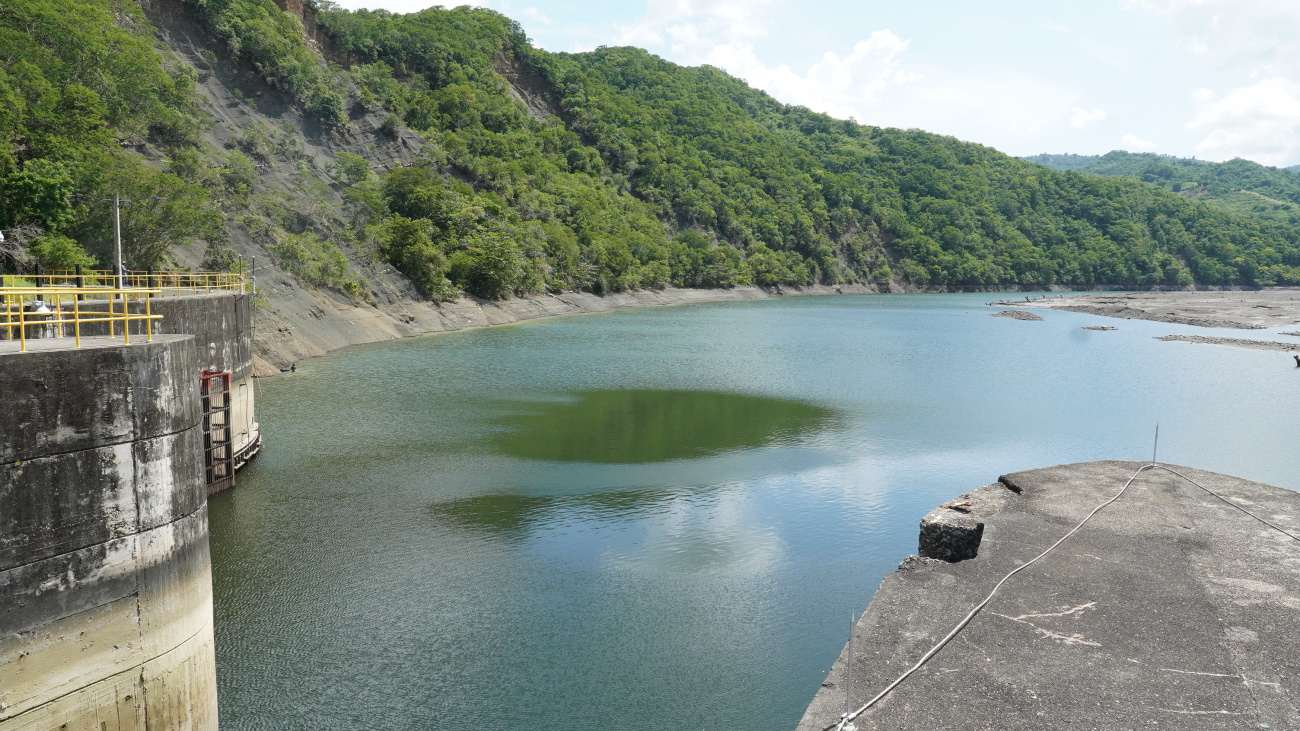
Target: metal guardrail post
22	326
81	283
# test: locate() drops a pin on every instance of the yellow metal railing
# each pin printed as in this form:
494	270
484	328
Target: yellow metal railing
171	284
51	312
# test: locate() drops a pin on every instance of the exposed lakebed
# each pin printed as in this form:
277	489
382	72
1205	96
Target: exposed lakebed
662	518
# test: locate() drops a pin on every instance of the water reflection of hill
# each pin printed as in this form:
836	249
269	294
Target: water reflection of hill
641	426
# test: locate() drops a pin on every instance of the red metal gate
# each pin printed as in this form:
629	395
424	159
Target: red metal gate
218	449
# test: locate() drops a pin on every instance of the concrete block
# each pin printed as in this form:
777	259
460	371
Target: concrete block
950	537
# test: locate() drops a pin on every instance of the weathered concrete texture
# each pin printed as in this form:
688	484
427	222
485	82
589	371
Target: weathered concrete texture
222	326
105	586
1168	610
61	399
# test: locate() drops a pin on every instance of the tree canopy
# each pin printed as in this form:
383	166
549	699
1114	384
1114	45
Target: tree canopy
602	171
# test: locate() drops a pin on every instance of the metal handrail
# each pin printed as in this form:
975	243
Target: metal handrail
62	308
177	284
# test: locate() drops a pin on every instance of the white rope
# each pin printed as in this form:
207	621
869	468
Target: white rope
847	717
1229	502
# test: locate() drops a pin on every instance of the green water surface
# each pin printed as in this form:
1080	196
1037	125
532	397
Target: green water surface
661	519
640	425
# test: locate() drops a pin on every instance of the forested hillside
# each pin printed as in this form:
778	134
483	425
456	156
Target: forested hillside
1237	185
531	171
83	92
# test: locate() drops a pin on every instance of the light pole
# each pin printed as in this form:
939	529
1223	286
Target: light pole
117	236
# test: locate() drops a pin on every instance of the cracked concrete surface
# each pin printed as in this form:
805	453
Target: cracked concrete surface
1168	610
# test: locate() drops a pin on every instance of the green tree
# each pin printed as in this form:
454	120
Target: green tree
407	244
39	194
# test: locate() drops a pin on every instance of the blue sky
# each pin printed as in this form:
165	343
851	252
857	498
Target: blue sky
1215	79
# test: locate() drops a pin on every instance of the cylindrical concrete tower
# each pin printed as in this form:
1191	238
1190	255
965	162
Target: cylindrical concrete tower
105	580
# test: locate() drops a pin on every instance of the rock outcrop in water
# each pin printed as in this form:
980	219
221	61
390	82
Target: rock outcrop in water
1019	315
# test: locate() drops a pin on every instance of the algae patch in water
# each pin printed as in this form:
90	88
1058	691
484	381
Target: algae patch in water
642	426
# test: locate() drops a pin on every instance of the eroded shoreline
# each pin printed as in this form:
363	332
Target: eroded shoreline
1245	310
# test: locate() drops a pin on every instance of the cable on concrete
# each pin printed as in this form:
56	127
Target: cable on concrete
846	718
1229	502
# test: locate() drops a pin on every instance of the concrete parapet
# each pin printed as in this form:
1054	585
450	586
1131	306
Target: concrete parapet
105	586
222	326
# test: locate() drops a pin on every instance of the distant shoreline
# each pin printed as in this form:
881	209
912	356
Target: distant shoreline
1239	309
292	335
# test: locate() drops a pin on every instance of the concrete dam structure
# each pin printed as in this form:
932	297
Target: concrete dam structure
1175	606
222	326
108	454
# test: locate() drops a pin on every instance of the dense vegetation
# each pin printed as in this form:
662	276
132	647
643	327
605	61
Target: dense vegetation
84	87
766	192
1237	185
603	171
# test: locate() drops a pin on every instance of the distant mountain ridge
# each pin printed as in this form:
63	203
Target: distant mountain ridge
375	156
1237	185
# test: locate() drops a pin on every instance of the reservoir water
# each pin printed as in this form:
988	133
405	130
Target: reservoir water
662	518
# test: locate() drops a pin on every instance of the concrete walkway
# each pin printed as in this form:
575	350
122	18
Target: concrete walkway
1169	609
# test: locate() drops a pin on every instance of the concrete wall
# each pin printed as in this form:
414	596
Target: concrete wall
105	580
222	326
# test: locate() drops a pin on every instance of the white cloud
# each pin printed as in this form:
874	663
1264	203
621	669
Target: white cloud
723	33
1133	143
1255	40
691	29
1080	117
534	14
1236	32
840	86
1260	121
876	80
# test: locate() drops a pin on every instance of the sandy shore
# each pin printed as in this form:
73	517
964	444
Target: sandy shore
1235	342
1246	310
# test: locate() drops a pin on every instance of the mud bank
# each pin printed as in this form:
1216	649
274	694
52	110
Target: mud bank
1248	310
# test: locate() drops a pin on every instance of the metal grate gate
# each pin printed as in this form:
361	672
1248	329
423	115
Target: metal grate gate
218	449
